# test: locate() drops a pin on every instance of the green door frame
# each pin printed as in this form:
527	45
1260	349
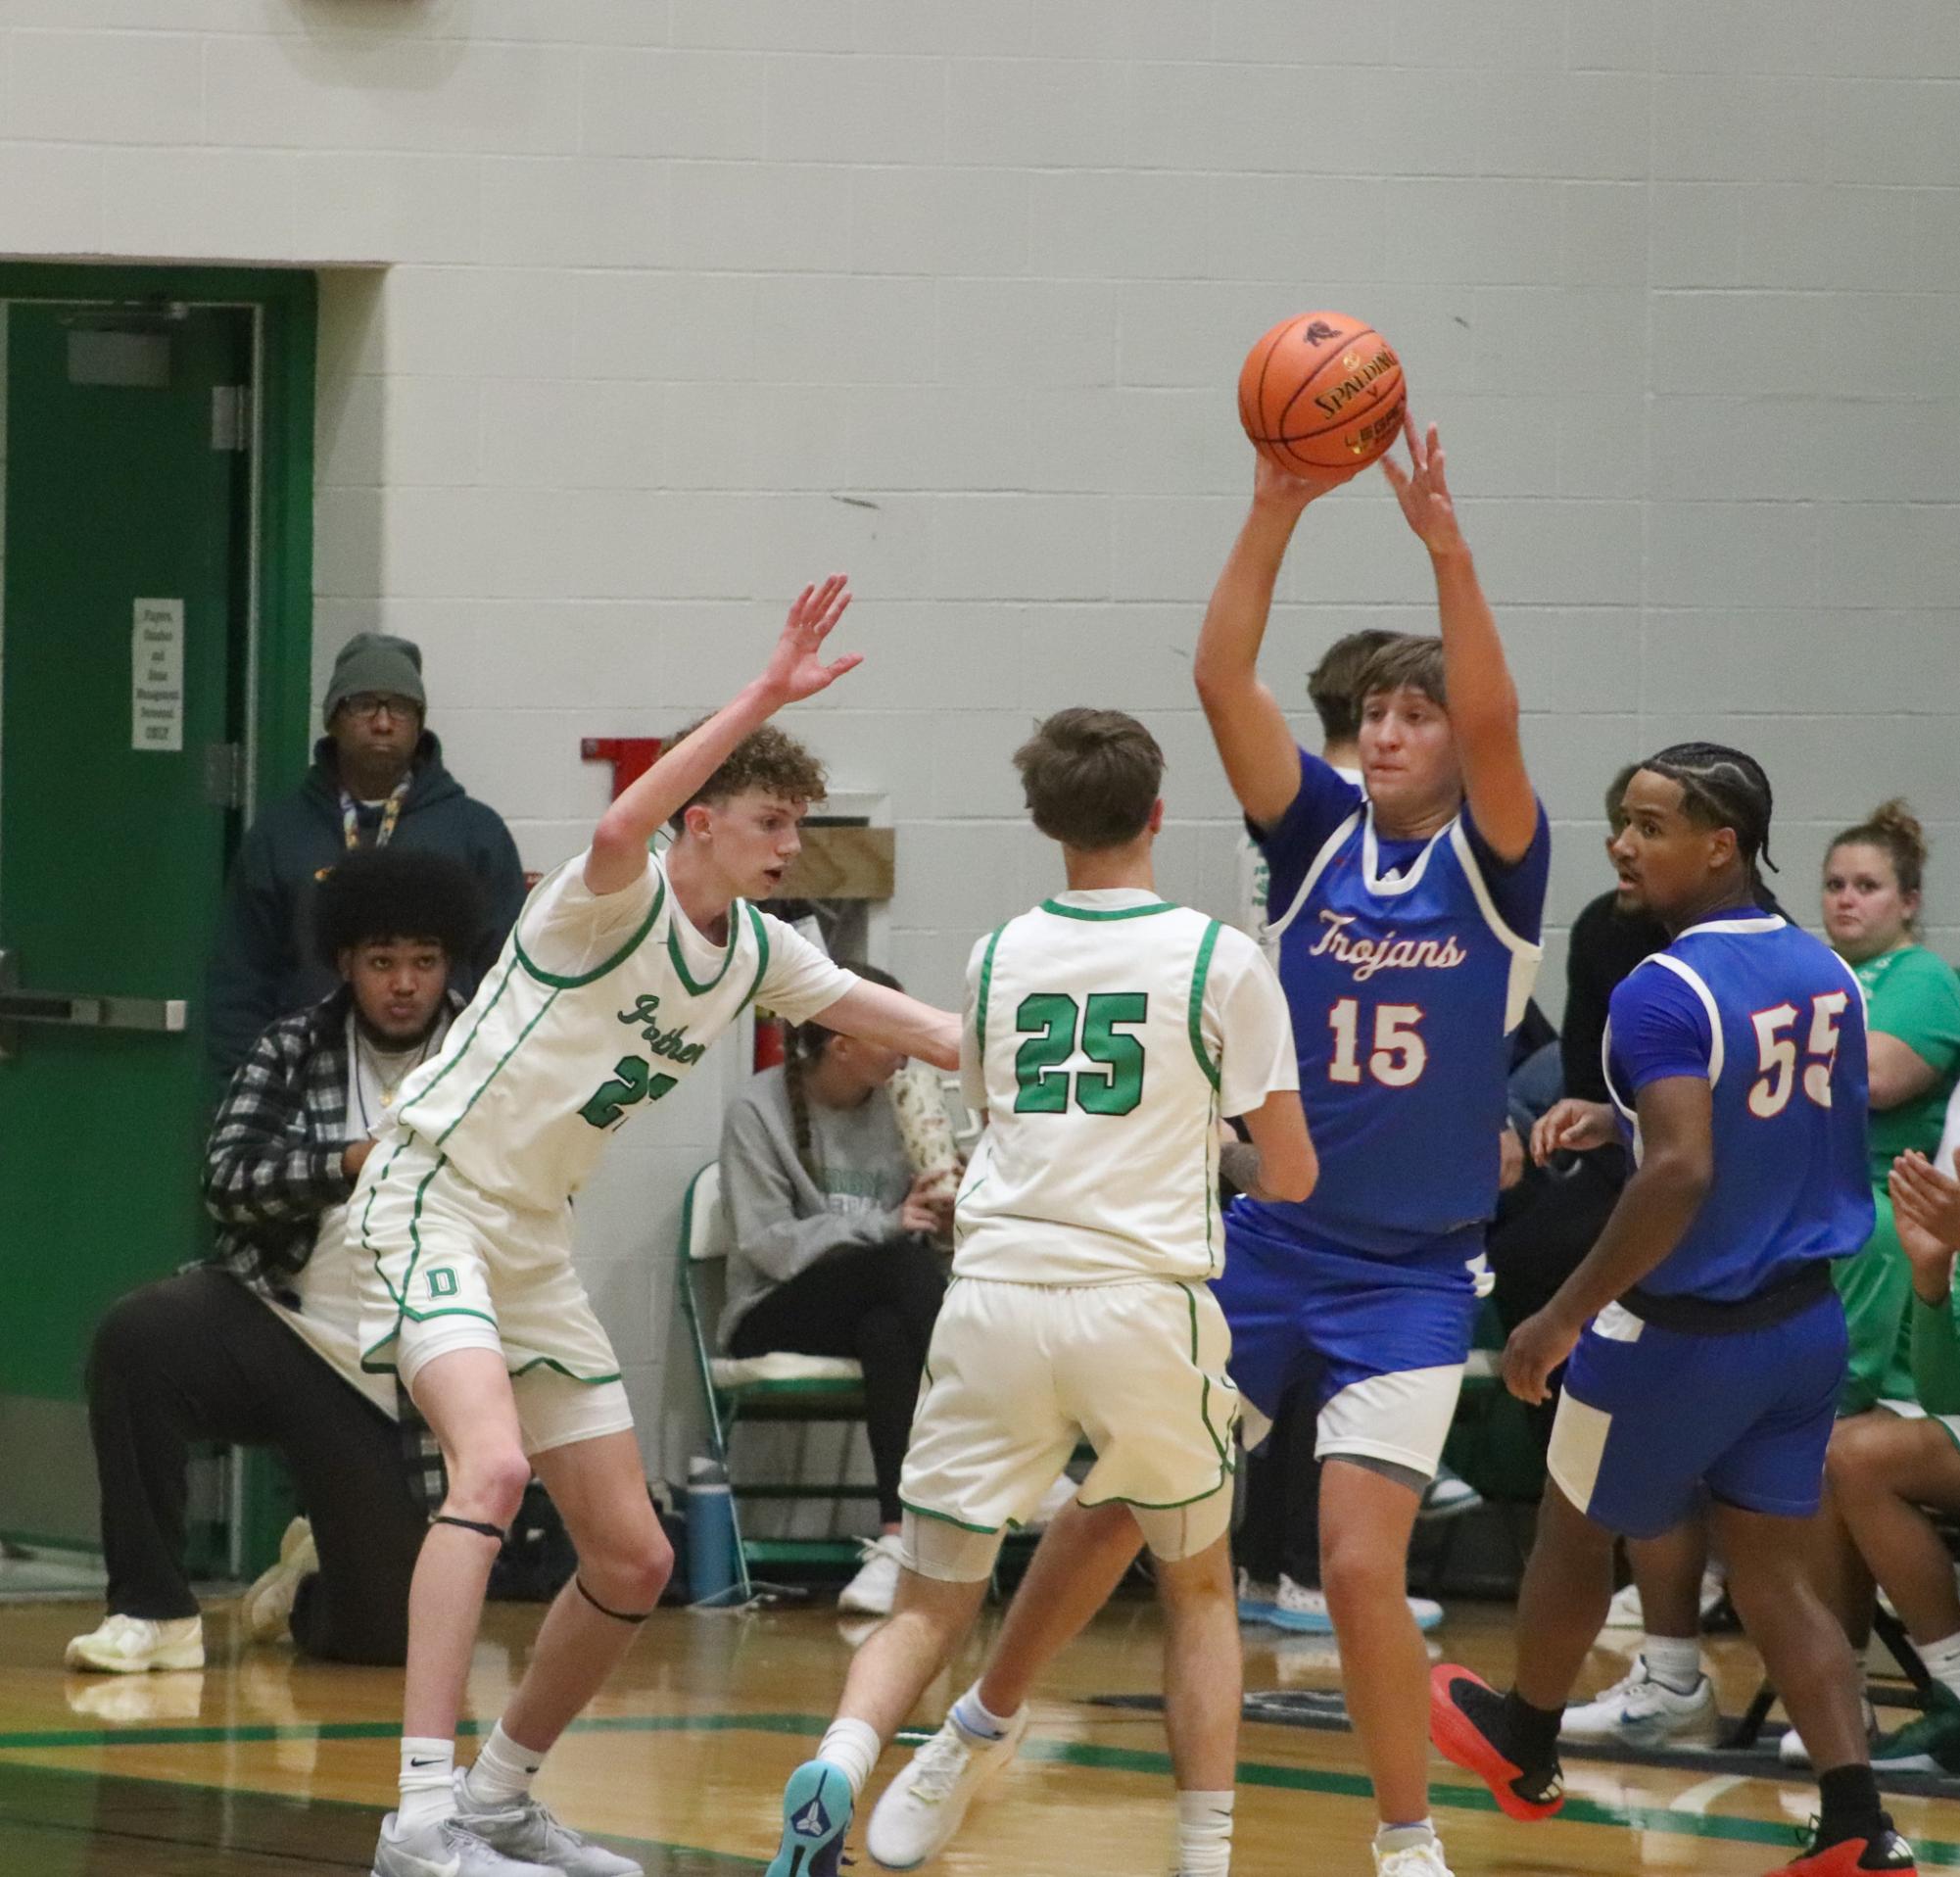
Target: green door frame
287	302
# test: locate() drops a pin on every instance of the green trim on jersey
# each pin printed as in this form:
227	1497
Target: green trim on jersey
1199	974
543	1010
461	1048
1121	912
618	958
986	985
734	945
761	950
401	1297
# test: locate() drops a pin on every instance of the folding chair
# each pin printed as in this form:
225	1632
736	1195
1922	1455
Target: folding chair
778	1387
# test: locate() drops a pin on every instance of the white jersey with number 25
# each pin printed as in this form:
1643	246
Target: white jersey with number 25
1106	1031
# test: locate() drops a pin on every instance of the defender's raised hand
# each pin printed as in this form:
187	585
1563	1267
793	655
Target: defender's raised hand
797	667
1422	490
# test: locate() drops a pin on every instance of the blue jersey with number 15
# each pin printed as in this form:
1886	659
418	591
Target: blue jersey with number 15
1404	976
1774	1021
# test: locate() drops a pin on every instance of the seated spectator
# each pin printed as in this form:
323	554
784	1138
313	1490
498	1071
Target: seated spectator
259	1347
837	1245
1887	1470
1872	879
377	778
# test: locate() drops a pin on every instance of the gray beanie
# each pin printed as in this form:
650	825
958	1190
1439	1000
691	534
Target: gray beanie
376	662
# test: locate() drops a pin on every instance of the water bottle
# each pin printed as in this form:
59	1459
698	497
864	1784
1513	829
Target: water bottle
713	1570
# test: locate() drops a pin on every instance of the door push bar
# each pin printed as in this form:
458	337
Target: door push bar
18	1006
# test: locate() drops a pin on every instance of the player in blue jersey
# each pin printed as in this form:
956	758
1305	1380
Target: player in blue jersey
1705	1337
1407	922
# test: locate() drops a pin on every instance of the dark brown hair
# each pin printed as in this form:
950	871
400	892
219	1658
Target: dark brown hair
1894	827
1331	685
1616	793
1091	777
768	758
803	1044
1407	662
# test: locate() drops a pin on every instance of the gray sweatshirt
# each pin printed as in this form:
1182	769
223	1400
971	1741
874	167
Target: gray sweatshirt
781	1222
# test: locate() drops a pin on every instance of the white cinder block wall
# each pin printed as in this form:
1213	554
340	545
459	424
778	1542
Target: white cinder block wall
639	312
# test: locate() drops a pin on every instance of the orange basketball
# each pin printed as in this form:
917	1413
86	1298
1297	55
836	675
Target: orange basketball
1322	391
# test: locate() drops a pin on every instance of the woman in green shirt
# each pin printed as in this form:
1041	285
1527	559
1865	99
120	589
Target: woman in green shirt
1871	883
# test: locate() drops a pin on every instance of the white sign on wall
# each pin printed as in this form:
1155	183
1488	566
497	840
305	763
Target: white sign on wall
157	675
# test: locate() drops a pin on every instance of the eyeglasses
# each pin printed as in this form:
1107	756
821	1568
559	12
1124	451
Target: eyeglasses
371	703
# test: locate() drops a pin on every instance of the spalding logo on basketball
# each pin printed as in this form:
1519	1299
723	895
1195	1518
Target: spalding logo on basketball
1320	391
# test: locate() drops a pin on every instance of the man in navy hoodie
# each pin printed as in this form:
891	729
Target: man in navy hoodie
377	778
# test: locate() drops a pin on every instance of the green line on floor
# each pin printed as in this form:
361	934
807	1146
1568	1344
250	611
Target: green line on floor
1447	1797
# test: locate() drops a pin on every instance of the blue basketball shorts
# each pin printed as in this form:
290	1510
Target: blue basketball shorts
1650	1414
1380	1341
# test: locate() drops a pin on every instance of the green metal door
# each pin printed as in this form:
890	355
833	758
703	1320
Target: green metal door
124	578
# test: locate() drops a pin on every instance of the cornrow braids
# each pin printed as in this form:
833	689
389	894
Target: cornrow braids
1722	788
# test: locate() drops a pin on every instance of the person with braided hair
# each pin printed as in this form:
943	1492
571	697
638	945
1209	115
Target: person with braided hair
836	1238
1705	1337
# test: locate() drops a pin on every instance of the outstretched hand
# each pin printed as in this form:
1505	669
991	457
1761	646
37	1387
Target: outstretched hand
1276	488
1422	490
796	668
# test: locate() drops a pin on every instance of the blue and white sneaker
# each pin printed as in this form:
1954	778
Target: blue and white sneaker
815	1815
1257	1601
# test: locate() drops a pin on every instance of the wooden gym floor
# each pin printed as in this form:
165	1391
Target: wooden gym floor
262	1764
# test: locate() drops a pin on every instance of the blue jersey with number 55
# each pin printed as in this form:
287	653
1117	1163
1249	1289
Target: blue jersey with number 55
1774	1021
1405	964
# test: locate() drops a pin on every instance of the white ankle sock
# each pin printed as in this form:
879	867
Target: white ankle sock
503	1772
1205	1834
1942	1662
974	1716
852	1748
1675	1662
1394	1837
428	1783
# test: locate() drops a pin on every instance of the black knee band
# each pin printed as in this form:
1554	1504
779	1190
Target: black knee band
470	1524
617	1616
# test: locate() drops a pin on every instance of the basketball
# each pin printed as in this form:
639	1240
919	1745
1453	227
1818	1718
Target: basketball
1322	391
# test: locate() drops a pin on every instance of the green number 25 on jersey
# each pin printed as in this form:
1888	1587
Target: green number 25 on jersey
1054	1024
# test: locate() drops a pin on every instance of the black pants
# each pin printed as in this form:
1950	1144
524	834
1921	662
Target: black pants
1281	1531
197	1357
877	1303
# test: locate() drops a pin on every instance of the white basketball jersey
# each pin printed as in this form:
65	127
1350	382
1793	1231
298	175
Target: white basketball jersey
1105	1033
543	1067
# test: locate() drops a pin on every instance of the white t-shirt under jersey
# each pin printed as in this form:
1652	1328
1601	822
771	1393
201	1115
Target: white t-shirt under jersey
597	1007
1105	1033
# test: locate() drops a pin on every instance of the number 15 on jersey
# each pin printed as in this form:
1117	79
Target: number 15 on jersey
1396	1052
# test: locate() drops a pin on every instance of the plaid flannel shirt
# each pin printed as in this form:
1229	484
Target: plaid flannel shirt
273	1166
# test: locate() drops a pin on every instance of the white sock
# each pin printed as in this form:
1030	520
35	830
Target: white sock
1942	1662
1389	1838
428	1783
503	1772
852	1748
1205	1834
971	1715
1675	1662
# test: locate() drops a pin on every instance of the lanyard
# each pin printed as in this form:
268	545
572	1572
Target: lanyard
391	813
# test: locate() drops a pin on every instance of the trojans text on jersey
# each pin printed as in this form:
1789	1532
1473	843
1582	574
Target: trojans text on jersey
1367	957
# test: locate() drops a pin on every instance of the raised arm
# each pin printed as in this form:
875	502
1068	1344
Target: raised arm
898	1022
1262	760
1483	700
796	670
